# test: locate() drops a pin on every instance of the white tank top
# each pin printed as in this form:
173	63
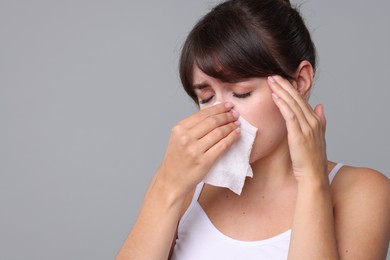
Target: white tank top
199	239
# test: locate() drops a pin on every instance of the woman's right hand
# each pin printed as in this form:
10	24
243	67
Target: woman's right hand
195	144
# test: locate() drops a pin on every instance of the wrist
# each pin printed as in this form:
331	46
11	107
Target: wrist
315	181
166	189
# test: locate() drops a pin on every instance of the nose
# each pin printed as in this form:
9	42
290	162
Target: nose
221	94
221	98
217	102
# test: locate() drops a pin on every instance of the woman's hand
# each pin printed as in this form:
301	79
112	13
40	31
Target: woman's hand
196	143
306	129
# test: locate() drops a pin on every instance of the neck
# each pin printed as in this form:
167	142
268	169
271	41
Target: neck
272	171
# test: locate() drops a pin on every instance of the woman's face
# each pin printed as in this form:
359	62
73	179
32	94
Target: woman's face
253	101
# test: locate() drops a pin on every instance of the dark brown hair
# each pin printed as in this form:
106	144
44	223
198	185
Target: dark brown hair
240	39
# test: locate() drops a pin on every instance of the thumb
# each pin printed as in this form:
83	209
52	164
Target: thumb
319	111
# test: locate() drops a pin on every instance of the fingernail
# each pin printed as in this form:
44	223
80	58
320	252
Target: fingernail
275	96
270	78
229	105
238	129
237	123
234	113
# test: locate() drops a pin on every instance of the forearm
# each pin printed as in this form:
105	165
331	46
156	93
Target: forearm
313	234
194	145
155	227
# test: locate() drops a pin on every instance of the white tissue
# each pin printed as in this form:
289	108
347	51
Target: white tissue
231	169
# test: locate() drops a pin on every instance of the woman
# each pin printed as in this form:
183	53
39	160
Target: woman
257	59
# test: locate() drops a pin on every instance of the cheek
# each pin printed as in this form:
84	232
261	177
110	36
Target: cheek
271	129
263	114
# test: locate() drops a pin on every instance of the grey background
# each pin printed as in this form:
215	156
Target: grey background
89	91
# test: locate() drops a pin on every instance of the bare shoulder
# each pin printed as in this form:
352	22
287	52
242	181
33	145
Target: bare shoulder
352	183
356	188
361	200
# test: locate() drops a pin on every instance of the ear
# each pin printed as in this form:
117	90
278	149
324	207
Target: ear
304	78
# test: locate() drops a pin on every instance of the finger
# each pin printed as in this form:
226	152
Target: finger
287	86
221	147
217	135
303	105
194	119
290	103
319	111
292	121
212	122
312	120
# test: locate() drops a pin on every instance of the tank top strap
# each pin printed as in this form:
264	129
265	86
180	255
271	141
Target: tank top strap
334	171
197	192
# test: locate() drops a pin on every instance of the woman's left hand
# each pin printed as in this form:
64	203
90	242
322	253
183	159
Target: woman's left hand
306	129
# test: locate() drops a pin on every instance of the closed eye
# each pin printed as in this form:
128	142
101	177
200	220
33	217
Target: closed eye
204	101
242	95
207	100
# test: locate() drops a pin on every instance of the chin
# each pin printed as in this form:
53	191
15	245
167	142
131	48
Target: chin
254	157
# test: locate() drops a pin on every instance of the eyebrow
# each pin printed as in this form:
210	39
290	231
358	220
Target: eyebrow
201	86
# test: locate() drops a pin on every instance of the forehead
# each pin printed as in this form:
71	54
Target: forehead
202	80
198	75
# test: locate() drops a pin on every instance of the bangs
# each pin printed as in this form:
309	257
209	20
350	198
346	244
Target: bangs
232	56
227	46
